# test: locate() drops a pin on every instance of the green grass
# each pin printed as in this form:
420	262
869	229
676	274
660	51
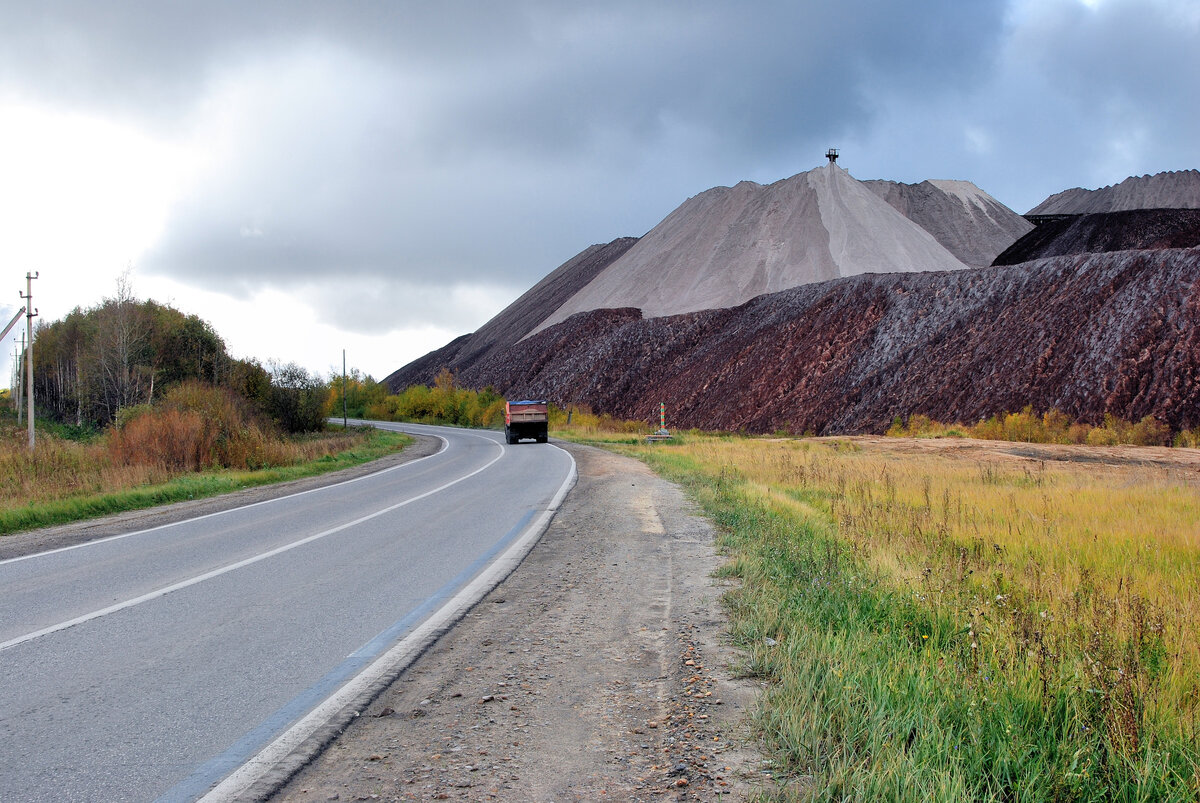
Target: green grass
881	687
191	486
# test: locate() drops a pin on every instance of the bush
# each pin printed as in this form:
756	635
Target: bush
1077	433
1188	438
297	400
1102	436
172	439
1024	426
195	426
444	403
992	429
1053	426
1150	432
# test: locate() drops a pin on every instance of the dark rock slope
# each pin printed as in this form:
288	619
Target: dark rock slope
1102	333
516	320
1108	231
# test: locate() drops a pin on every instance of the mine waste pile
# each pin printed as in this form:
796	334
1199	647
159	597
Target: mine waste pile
825	304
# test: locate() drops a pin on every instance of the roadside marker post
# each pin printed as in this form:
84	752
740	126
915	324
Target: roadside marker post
663	434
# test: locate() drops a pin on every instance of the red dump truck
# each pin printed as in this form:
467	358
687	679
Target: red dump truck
526	419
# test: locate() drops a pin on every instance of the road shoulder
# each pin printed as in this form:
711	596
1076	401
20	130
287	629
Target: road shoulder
595	671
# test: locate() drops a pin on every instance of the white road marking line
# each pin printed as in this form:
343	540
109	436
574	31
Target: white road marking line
162	592
402	654
99	541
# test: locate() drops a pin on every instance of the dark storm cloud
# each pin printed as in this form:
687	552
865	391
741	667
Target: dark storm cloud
466	141
502	154
1076	95
755	81
427	144
1107	92
1120	87
153	58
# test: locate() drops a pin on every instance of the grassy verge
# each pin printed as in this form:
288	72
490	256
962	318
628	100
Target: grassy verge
370	445
938	628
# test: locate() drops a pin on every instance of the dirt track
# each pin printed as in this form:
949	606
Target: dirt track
594	672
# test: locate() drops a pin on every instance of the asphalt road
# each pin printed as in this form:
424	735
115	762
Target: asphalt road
152	664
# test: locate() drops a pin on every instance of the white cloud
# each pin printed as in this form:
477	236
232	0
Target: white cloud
271	324
81	191
81	199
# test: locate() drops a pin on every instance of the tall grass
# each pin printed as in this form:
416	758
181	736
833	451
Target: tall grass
197	443
1053	426
938	628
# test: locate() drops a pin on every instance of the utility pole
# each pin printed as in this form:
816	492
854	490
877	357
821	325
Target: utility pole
30	313
345	419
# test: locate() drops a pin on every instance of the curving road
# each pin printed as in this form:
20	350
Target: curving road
153	664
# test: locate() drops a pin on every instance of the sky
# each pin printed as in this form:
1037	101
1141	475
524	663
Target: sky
381	177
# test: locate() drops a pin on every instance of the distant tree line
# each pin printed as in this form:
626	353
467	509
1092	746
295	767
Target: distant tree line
443	403
97	362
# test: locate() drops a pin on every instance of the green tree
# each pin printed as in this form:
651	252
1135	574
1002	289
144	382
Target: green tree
297	398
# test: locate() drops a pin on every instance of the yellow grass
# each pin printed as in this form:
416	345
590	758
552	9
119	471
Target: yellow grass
65	469
1082	561
1030	608
1087	558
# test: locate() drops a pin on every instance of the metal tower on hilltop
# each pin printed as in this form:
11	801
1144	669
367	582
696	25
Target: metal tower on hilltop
832	155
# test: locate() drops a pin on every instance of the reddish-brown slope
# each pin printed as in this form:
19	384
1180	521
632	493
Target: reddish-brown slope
1088	335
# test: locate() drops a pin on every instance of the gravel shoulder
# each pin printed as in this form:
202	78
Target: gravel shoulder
595	671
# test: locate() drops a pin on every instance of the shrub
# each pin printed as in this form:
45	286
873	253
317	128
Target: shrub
1077	433
173	439
444	403
1150	432
991	429
1024	426
1102	436
1188	438
1056	425
196	426
1053	426
297	399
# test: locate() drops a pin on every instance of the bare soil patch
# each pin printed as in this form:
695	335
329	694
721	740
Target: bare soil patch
1174	464
594	672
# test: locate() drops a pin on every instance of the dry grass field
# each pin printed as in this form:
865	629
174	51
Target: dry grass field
68	480
960	619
